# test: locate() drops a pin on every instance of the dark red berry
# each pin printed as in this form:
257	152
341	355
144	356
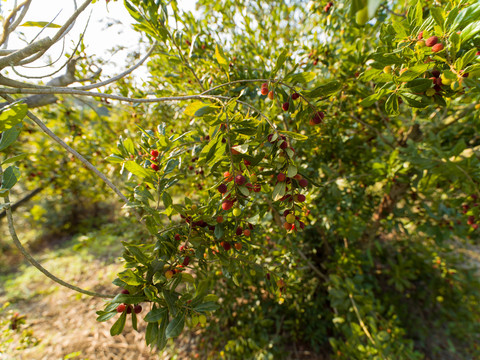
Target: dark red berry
432	40
285	106
240	180
154	153
186	261
177	237
239	231
281	177
154	167
436	73
121	308
303	183
222	188
226	245
295	96
137	309
125	291
129	309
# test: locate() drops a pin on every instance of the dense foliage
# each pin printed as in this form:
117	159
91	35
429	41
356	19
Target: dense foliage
308	175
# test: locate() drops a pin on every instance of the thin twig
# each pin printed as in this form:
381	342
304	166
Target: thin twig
32	261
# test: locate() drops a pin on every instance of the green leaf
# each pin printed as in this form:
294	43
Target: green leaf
104	316
136	169
303	78
9	136
151	333
138	254
12	114
414	72
244	190
175	326
437	14
470	31
219	231
325	90
280	61
221	58
115	159
155	314
167	200
10	177
291	171
14	159
372	99
41	24
207	306
128	299
134	321
294	135
278	191
418	85
171	165
128	144
117	328
391	105
416	101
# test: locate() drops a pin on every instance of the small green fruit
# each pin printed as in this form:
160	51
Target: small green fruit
430	92
237	212
290	218
445	81
361	17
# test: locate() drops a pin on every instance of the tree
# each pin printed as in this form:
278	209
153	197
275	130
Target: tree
319	162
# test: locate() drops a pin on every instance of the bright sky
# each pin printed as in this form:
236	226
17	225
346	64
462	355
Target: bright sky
109	27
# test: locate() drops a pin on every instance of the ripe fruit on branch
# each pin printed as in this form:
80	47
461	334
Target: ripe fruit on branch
155	167
226	245
430	92
137	309
285	106
186	261
420	35
387	69
239	231
432	40
287	226
177	237
228	177
300	198
435	73
238	246
129	309
227	205
169	274
121	308
222	188
303	183
437	47
264	89
361	17
240	180
270	95
246	232
283	145
219	219
318	117
281	177
154	153
125	291
295	96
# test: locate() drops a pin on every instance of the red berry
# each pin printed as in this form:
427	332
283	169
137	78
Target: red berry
121	308
303	183
154	167
186	261
226	245
437	47
222	188
270	95
264	89
432	40
318	117
246	232
246	162
281	177
137	309
285	106
269	138
219	219
227	176
471	220
239	231
154	153
283	145
436	73
240	180
295	96
420	35
286	212
257	188
265	85
129	309
227	205
125	291
478	53
300	198
177	237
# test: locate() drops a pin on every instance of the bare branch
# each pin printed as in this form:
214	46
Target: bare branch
7	27
16	57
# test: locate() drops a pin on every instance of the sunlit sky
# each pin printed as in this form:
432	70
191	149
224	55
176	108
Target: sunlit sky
109	27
